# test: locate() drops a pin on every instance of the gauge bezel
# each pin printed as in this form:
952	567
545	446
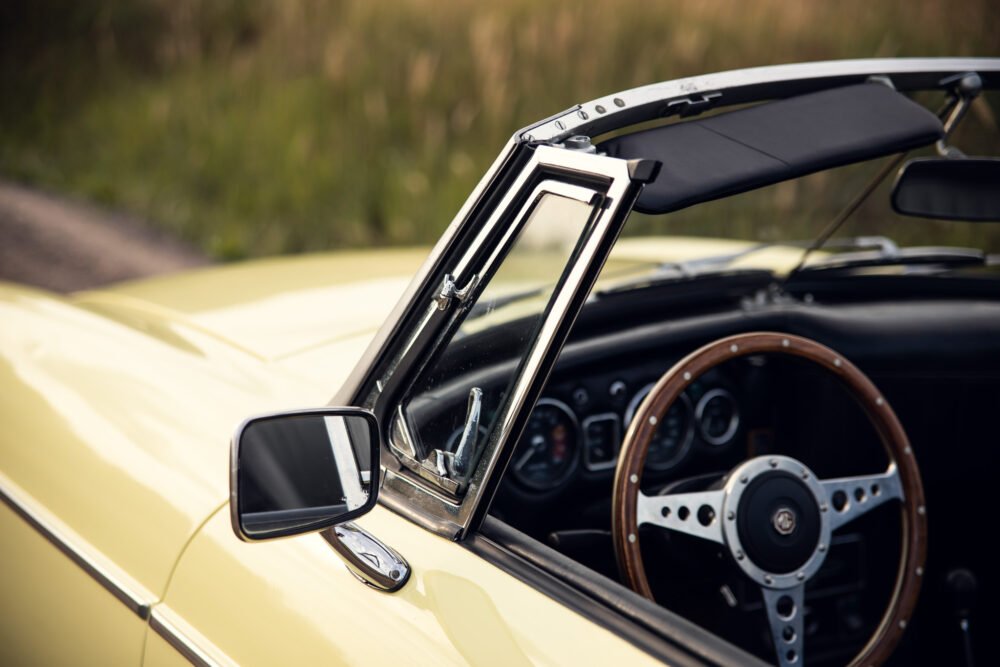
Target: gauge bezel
605	465
574	457
734	421
687	439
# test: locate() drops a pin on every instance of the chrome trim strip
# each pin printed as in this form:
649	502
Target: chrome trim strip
138	601
612	112
171	634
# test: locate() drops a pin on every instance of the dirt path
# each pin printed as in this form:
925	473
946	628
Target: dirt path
65	245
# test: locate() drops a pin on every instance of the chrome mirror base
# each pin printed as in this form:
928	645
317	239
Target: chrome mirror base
372	562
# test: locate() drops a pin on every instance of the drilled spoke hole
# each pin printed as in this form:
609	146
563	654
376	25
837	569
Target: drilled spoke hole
839	501
706	515
859	494
876	489
683	513
791	657
788	634
785	607
665	512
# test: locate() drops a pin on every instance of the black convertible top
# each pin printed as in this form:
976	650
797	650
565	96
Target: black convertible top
749	148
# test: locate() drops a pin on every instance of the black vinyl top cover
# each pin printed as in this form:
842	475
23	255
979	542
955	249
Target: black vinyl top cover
749	148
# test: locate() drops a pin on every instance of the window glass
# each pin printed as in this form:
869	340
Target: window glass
495	335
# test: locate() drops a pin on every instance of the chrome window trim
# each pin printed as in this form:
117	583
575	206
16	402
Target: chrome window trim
130	593
401	428
410	496
612	112
548	186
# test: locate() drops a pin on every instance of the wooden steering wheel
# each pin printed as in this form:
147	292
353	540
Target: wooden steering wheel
771	513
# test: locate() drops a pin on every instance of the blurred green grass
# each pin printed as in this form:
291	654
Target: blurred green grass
268	126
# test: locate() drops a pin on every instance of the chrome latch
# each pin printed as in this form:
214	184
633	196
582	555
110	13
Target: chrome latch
692	105
579	142
449	291
457	465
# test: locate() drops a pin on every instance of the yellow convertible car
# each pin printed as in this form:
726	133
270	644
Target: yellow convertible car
699	374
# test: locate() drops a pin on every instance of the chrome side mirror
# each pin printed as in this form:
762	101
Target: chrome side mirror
297	472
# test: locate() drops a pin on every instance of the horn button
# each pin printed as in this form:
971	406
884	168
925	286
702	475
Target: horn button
778	522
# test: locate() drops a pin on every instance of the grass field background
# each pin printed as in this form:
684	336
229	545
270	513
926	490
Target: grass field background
269	126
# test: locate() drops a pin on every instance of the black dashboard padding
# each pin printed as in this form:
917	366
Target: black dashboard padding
749	148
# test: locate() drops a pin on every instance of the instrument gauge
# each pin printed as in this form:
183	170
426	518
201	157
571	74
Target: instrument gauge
547	453
672	439
718	417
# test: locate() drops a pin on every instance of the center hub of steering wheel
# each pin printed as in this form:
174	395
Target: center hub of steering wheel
784	521
778	522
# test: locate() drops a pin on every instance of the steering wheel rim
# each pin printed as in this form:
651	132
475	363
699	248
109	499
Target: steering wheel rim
629	504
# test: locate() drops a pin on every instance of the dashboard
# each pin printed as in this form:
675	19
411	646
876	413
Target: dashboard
577	427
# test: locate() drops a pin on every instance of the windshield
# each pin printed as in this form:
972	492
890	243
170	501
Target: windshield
519	290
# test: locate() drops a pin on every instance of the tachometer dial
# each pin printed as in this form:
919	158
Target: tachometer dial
547	452
718	417
672	439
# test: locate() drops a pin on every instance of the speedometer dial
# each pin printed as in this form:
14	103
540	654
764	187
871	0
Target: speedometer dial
672	439
547	452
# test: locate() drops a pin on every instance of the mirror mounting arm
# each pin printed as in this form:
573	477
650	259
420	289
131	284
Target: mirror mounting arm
965	88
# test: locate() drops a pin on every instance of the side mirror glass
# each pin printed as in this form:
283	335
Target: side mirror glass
950	188
297	472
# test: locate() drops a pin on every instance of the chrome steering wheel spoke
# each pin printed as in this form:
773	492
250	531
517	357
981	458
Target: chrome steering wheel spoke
785	613
698	513
852	497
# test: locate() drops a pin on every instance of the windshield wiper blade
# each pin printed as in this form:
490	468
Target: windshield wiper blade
929	257
694	267
713	266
